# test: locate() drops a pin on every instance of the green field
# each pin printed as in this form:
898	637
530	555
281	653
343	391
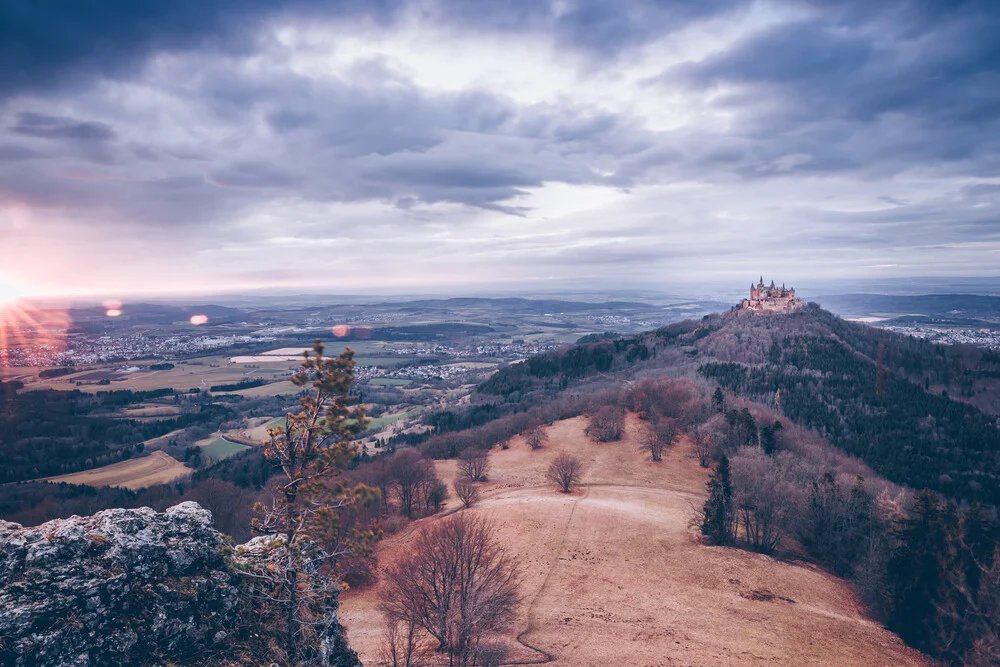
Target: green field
283	388
391	382
217	449
381	422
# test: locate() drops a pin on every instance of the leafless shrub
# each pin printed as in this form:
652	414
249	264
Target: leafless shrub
393	523
410	471
765	497
680	399
459	585
607	424
467	491
659	435
535	435
401	643
565	471
474	463
706	440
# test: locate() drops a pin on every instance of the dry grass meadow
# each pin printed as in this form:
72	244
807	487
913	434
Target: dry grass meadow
157	468
613	575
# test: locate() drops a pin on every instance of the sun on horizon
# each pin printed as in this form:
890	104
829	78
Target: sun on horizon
11	292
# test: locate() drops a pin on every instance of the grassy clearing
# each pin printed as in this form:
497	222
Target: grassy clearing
217	448
391	382
612	574
378	423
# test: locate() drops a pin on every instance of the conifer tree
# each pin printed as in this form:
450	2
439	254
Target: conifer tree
718	515
291	563
916	572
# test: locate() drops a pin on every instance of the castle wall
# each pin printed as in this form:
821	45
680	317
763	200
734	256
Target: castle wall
771	299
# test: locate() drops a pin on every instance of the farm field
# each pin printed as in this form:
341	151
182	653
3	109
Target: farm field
283	387
199	373
257	431
378	423
157	468
218	448
148	412
391	382
613	575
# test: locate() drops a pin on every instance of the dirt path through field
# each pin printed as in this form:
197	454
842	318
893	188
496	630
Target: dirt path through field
613	575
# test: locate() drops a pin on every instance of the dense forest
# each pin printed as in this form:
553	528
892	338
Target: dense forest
46	433
911	436
867	391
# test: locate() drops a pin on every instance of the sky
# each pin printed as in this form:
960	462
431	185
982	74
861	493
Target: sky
457	145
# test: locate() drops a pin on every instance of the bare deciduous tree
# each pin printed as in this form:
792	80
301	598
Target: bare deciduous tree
565	471
765	500
607	424
467	491
474	463
659	434
458	584
411	472
535	435
704	444
401	643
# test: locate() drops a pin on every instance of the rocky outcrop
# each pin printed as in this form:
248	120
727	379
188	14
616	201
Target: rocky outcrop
119	587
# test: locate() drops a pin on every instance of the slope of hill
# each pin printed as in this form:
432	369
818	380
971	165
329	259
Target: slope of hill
614	575
875	394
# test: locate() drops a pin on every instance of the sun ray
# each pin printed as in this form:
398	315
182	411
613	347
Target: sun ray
30	335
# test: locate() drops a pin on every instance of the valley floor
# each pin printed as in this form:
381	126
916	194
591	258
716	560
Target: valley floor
613	575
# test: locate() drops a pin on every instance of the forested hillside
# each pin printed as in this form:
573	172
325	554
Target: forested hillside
46	433
877	395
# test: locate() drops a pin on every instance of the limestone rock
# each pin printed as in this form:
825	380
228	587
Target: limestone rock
121	586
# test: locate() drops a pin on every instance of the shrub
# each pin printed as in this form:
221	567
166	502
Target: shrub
565	471
607	424
467	491
474	463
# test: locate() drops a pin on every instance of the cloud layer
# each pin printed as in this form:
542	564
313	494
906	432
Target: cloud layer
453	143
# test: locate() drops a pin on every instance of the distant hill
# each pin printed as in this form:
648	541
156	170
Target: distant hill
520	305
151	313
873	393
969	309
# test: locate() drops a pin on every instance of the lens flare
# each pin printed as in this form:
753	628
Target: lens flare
31	336
198	320
113	312
10	291
341	330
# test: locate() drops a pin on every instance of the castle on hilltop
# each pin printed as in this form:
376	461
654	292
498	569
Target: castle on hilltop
771	299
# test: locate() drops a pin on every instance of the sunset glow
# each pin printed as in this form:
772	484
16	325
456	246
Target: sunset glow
10	292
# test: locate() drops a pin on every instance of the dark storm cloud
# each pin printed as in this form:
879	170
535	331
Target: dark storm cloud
601	28
252	175
51	43
865	85
47	43
15	153
199	115
55	127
